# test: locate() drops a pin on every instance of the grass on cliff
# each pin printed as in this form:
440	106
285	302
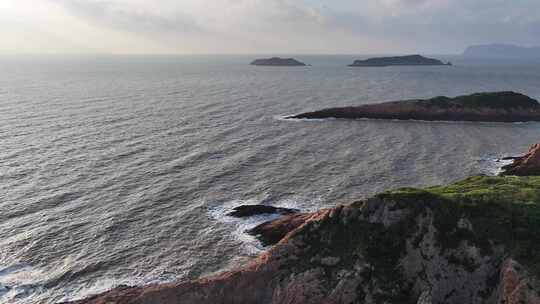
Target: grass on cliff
502	210
494	100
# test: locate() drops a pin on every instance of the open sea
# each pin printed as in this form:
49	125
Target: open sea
120	169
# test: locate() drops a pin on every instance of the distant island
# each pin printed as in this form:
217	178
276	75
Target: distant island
398	60
488	107
502	51
276	61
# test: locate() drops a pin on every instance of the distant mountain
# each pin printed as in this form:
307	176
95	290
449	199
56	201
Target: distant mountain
502	51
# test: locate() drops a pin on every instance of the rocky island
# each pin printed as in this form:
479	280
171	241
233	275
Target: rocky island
487	107
276	61
398	60
474	241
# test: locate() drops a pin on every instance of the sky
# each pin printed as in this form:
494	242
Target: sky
264	26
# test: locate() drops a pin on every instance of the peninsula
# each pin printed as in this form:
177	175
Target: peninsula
399	60
276	61
487	107
473	241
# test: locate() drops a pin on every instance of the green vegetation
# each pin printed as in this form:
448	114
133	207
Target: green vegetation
494	100
502	210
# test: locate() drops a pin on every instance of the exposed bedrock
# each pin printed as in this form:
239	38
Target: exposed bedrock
528	164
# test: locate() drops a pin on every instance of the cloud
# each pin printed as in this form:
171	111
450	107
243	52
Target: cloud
127	17
281	26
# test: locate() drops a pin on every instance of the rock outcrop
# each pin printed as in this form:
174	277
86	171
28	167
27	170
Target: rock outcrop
526	165
251	210
269	233
276	61
398	60
488	107
475	241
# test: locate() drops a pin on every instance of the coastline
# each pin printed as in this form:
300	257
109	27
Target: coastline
320	252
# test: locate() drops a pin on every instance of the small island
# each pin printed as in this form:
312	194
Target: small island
398	60
276	61
486	107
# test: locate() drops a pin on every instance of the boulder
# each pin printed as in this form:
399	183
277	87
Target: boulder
251	210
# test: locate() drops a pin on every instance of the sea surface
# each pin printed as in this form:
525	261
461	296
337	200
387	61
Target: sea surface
120	169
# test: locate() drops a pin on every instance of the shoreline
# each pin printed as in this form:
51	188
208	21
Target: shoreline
321	251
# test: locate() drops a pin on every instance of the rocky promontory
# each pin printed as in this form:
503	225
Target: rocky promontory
474	241
526	165
276	61
397	60
488	107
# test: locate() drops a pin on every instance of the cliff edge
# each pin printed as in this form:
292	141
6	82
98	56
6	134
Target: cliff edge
474	241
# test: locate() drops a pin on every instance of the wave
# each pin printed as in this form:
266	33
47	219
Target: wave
251	245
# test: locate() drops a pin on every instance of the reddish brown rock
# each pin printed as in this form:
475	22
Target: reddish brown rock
387	249
526	165
516	286
269	233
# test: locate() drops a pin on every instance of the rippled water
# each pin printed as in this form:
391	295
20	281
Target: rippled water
118	170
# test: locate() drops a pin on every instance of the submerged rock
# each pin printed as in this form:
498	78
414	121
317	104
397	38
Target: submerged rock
489	107
397	60
529	164
251	210
276	61
451	244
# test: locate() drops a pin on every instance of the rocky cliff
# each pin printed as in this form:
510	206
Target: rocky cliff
528	164
489	107
475	241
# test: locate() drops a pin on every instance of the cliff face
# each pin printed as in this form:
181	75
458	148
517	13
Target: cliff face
474	241
490	107
529	164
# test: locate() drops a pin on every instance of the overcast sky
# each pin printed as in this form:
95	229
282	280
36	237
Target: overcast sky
264	26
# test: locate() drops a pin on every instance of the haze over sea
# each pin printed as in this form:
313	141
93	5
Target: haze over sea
119	169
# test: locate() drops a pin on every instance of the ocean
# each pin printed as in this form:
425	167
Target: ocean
120	169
